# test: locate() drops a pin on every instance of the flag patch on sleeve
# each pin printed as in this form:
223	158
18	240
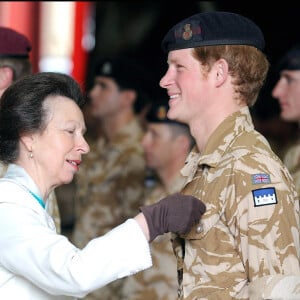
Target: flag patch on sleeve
265	196
260	178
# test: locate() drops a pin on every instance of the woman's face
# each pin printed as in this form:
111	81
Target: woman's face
57	150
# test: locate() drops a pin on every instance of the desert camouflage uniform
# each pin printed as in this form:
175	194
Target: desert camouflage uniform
109	190
247	243
160	281
292	161
51	204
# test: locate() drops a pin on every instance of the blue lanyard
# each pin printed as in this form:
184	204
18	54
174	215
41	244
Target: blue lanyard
40	201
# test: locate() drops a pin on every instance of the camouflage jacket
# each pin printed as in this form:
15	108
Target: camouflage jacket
160	281
109	190
247	242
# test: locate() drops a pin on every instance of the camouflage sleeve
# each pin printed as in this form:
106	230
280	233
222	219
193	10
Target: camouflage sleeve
275	287
265	210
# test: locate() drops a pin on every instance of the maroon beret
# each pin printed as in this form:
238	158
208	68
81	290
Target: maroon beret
13	44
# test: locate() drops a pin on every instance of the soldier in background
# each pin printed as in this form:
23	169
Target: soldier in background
166	145
110	183
14	64
246	246
287	92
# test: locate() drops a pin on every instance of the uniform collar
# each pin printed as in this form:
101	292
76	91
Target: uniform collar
221	139
219	142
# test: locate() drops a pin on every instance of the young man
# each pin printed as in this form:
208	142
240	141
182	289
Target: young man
166	144
287	92
247	243
14	64
110	185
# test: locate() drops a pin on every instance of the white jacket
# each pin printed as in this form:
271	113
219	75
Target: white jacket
37	263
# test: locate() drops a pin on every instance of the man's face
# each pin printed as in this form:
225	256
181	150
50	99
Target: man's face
158	144
186	86
287	92
105	97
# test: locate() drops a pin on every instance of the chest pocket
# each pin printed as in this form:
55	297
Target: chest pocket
210	220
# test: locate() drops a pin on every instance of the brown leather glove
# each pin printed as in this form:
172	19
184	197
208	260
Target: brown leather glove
175	213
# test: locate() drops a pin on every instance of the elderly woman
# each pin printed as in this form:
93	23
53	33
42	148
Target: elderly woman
41	138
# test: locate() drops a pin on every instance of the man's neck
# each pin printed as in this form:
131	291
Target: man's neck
112	125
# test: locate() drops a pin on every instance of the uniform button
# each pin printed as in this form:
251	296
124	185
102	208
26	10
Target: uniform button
199	228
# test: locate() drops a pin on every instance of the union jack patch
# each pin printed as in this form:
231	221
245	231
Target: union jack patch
260	178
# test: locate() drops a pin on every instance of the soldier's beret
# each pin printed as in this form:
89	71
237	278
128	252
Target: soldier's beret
213	28
290	60
127	72
13	44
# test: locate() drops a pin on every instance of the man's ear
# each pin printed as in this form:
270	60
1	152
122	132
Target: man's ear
221	71
183	143
129	97
6	77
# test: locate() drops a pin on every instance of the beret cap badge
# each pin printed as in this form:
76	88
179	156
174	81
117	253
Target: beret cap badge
106	68
161	113
188	33
158	112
